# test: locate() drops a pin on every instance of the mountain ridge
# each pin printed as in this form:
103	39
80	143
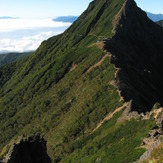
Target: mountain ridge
65	88
43	78
160	23
119	62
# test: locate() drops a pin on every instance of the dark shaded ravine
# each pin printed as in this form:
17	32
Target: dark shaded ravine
137	50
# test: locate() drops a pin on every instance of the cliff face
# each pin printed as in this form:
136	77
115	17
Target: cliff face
137	51
160	23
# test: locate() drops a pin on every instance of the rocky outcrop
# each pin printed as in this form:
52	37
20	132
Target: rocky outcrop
28	150
137	52
153	140
160	23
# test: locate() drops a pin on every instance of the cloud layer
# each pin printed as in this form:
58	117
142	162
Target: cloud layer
33	32
8	25
24	44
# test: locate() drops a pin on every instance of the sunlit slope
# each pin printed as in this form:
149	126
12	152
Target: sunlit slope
55	90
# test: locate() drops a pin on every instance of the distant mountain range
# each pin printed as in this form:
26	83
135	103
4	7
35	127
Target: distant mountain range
66	19
71	19
155	17
8	17
11	57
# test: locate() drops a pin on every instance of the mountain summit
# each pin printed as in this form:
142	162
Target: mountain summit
82	90
137	51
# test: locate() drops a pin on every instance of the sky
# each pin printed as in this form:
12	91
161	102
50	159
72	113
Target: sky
153	6
54	8
42	8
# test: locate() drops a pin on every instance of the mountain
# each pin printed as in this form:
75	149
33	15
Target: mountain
155	17
94	92
160	23
10	57
8	17
66	19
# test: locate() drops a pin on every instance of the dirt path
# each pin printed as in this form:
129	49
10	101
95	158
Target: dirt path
109	116
114	84
73	66
98	63
100	45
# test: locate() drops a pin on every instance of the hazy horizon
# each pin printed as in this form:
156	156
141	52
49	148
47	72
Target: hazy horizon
22	35
51	8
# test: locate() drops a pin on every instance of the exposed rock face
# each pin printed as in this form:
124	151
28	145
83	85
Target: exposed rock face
137	51
153	140
28	150
160	23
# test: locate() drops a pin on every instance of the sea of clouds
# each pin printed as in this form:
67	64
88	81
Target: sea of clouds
22	35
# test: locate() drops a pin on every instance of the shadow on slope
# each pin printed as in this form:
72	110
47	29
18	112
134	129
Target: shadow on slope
137	50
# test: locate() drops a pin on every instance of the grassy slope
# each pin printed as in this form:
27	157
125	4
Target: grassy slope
11	57
112	143
40	94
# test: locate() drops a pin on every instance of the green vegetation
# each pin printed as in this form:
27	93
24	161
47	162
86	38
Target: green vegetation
11	57
112	143
41	94
54	92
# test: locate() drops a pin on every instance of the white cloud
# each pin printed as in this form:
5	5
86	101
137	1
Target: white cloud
7	25
24	44
11	40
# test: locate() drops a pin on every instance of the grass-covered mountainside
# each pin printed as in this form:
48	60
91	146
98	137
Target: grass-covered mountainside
66	87
11	57
160	23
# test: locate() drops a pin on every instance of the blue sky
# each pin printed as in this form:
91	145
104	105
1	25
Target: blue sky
53	8
42	8
153	6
